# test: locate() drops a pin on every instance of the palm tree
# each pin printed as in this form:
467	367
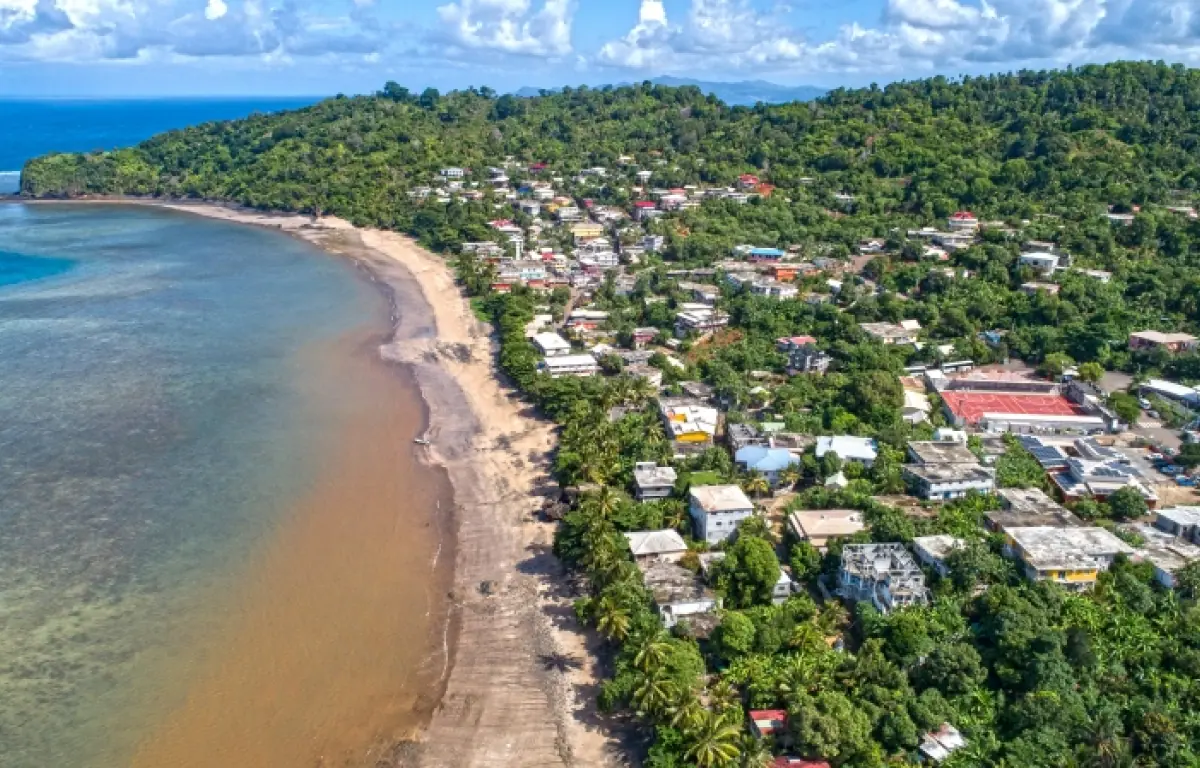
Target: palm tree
790	476
654	693
713	743
755	753
725	698
674	512
756	484
687	711
651	653
612	619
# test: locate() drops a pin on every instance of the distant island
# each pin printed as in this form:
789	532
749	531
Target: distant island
744	93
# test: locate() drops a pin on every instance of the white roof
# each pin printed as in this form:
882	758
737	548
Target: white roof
664	542
1050	547
938	547
1186	516
1181	391
826	523
569	361
847	447
550	342
720	498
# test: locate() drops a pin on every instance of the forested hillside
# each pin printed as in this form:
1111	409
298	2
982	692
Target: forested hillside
1099	167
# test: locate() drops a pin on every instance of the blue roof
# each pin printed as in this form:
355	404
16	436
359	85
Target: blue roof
766	252
763	459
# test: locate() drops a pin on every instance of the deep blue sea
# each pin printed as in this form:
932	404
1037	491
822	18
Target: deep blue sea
29	128
155	422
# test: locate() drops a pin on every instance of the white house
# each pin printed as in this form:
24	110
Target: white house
666	544
933	551
678	593
453	173
652	481
1043	261
552	345
944	482
717	510
861	449
570	365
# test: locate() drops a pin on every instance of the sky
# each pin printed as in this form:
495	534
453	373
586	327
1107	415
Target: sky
108	48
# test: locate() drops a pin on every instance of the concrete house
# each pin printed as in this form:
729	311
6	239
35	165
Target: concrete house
861	449
552	345
653	482
770	462
938	745
945	482
1171	342
679	595
820	526
570	365
666	545
1166	553
1183	522
885	574
768	722
717	510
1044	262
933	551
1072	557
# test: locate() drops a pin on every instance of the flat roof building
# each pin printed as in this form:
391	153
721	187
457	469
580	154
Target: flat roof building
944	482
652	481
717	510
934	550
1183	522
820	526
551	344
1072	557
940	452
570	365
885	574
678	594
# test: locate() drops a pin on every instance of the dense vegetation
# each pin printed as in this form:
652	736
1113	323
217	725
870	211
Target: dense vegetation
1032	676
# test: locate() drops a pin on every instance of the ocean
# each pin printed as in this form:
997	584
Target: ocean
29	128
214	535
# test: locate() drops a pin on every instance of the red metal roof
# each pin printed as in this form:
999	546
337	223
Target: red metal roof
961	215
644	204
799	762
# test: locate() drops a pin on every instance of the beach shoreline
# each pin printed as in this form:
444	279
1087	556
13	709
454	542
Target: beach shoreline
519	678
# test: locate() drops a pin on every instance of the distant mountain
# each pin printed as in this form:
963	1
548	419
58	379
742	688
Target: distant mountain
744	93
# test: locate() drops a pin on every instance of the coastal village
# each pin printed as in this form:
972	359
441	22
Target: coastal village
595	271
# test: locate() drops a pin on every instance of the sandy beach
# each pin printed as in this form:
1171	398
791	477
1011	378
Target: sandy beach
518	684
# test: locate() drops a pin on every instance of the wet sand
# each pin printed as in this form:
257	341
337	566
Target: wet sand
332	649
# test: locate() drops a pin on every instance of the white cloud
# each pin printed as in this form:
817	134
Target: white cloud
91	30
215	10
911	36
509	26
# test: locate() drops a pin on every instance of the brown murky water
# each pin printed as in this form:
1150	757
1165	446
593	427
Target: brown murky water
332	647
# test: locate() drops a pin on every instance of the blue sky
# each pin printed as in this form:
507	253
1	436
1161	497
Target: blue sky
217	47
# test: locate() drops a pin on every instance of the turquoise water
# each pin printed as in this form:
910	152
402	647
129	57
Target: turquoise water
18	268
154	425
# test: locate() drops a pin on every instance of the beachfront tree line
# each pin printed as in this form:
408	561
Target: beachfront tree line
1032	675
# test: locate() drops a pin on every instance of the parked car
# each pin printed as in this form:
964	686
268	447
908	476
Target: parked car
1170	469
1143	403
1185	482
1153	414
1157	457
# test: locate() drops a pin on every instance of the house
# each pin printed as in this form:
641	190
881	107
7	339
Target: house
1167	554
569	365
666	545
784	273
770	462
764	254
1183	522
933	551
701	321
962	221
807	359
586	231
1171	342
768	722
938	745
1026	508
893	333
679	595
773	289
1100	478
1042	261
1120	219
783	761
784	588
1098	274
885	574
1072	557
788	343
453	173
646	209
943	482
861	449
1032	289
748	181
689	423
643	336
652	481
940	452
820	526
740	436
654	376
916	408
717	510
551	344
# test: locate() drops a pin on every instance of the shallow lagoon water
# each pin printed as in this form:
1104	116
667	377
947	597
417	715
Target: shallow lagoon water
156	427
